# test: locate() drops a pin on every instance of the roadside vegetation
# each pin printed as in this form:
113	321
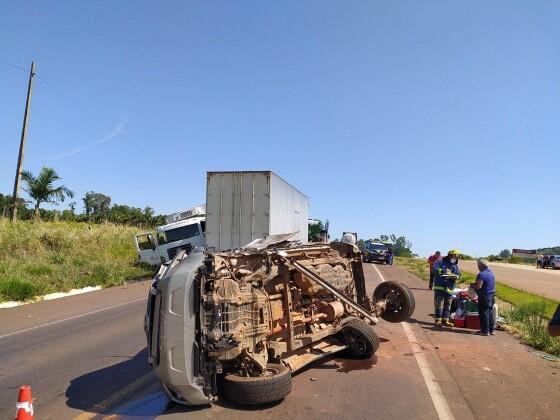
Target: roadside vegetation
46	188
37	258
529	321
527	318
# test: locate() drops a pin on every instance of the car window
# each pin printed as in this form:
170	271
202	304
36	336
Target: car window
144	241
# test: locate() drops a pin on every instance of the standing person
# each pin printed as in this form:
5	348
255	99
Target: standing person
432	259
540	261
485	287
389	259
446	272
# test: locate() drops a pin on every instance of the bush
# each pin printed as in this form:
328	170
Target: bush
17	289
44	257
531	323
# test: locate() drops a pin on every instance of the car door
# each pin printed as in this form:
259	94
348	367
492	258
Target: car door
146	245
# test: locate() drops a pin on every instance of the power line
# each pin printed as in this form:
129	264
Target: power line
62	94
77	105
71	101
14	66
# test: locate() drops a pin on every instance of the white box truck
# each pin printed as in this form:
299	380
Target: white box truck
242	206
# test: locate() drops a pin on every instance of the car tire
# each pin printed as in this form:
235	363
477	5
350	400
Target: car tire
255	390
400	301
360	337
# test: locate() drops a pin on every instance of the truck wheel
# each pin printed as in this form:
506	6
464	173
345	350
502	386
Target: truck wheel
400	301
275	385
361	339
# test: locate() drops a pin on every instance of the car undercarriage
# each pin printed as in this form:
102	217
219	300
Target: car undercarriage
260	313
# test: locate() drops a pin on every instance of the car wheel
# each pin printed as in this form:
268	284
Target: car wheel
400	301
273	386
360	337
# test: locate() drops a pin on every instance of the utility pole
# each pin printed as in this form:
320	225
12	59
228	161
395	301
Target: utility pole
15	195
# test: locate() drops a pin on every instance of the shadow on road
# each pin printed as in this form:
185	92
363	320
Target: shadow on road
430	326
130	388
102	390
421	289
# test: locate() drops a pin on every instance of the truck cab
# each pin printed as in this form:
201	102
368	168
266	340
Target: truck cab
185	231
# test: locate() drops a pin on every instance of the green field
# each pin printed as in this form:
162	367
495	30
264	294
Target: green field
43	257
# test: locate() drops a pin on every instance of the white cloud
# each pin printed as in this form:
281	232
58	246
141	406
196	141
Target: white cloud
108	137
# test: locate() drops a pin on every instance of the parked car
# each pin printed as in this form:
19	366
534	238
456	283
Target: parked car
554	262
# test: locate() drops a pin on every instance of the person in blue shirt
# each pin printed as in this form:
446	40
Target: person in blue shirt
446	272
485	287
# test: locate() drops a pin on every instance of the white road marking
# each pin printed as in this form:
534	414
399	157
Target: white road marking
48	324
440	404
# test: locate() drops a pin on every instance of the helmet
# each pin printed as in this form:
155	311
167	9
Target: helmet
453	252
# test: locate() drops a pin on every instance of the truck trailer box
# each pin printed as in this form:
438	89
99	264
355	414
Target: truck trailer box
242	206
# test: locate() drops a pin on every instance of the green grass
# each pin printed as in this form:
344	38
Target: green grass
529	321
528	316
43	257
415	266
521	298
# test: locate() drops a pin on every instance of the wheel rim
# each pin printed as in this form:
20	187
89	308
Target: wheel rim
395	300
355	341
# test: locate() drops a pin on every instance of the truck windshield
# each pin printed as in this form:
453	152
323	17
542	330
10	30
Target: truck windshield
372	246
177	234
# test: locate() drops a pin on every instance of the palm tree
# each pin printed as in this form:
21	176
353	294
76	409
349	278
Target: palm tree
42	190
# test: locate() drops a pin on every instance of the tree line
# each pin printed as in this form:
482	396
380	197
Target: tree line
46	188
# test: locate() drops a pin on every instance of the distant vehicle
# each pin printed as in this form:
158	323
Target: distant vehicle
554	262
377	251
184	231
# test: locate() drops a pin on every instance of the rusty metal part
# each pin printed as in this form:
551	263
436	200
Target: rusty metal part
334	291
332	310
284	273
316	317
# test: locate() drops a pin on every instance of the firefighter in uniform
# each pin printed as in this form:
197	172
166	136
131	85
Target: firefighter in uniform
446	272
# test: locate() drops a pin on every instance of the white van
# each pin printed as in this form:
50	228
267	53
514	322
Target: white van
185	231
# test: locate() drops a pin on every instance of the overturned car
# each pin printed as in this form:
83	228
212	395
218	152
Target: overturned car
239	323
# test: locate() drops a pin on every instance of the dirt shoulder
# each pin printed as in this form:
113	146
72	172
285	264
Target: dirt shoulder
496	376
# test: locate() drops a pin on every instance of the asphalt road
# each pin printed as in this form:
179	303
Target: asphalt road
531	279
84	357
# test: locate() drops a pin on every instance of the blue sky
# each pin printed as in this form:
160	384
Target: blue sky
438	121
